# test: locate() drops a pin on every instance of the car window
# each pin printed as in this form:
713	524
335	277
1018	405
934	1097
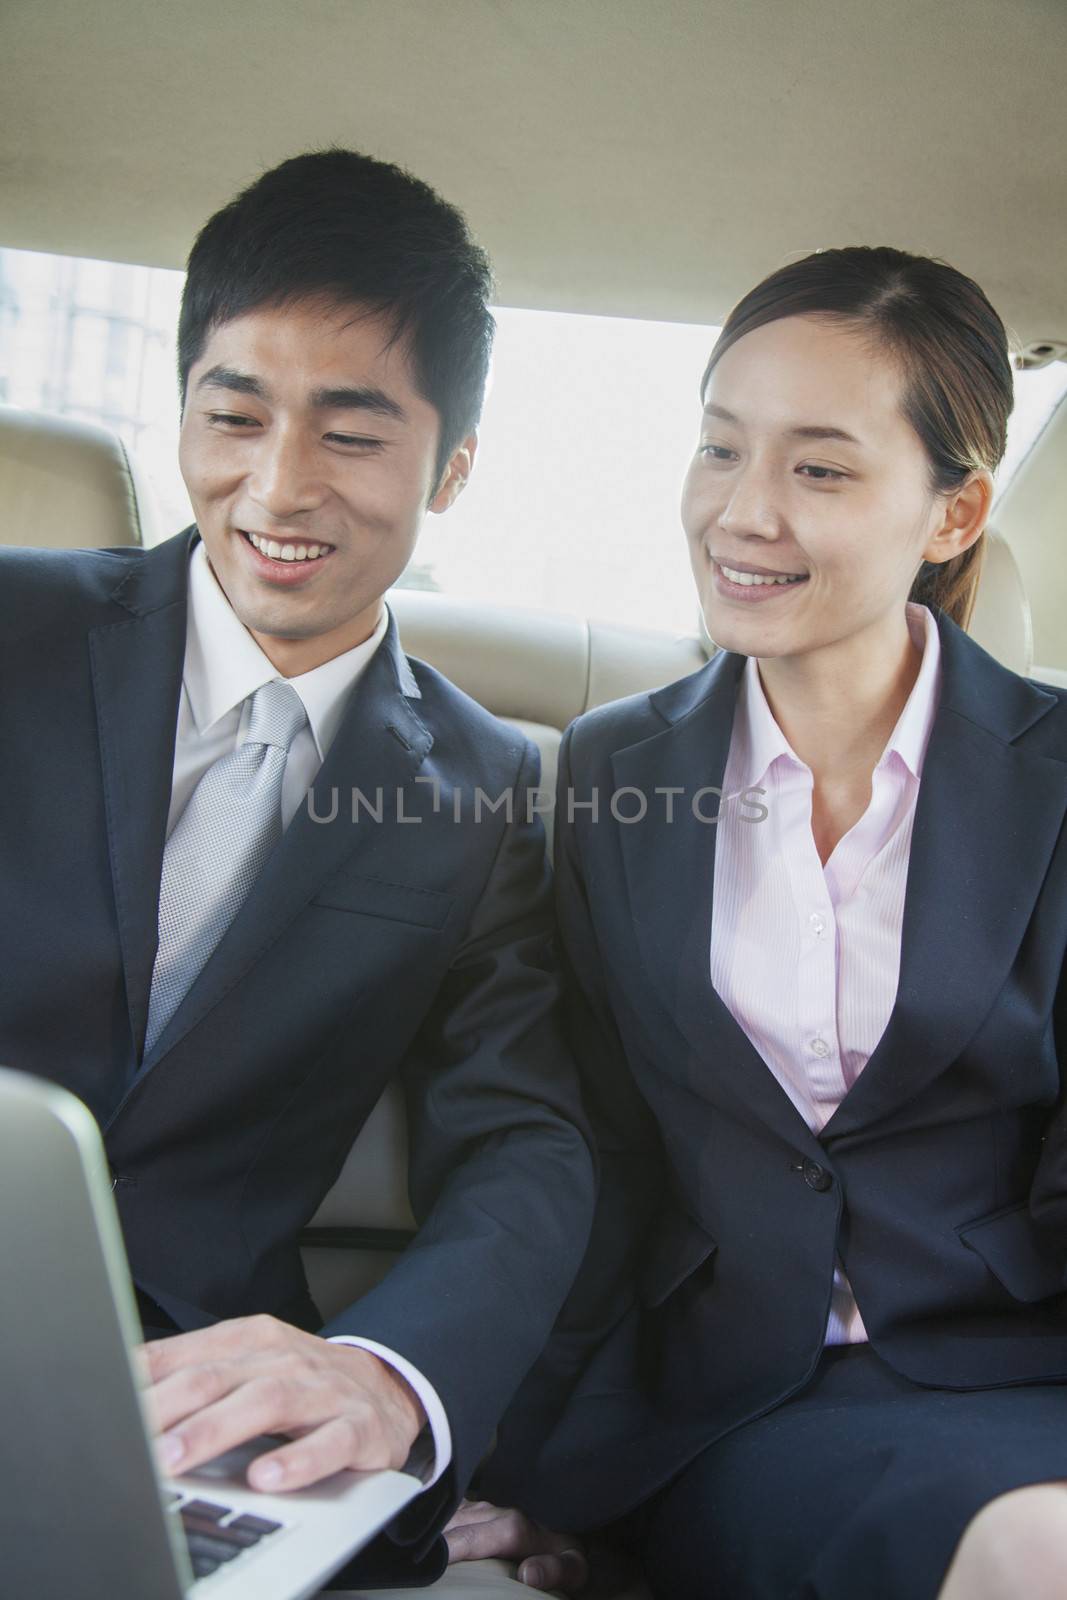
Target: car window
588	426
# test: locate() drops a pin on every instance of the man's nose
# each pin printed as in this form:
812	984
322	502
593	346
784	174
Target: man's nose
285	480
753	506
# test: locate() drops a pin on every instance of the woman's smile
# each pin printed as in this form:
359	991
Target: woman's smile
754	585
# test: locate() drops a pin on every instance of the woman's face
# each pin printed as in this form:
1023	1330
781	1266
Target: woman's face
806	470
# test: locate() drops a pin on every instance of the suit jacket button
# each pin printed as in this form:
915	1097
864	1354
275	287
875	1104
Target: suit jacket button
816	1177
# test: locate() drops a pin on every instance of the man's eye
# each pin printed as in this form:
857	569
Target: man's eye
354	440
823	474
229	419
716	452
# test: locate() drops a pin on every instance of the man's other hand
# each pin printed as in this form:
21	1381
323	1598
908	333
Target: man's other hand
546	1560
217	1388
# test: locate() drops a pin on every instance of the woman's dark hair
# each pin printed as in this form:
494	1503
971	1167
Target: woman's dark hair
951	346
353	230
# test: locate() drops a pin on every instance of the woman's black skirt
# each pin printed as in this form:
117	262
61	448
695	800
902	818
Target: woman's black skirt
859	1488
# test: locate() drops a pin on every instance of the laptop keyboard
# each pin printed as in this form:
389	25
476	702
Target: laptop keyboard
216	1534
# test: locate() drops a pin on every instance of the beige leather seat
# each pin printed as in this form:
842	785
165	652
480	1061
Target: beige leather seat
1001	617
471	1580
71	484
65	483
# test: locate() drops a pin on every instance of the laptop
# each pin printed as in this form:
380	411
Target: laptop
84	1512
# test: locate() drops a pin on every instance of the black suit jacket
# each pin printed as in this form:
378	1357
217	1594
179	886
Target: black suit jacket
420	947
942	1177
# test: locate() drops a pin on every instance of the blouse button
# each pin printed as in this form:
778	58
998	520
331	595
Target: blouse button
818	923
820	1047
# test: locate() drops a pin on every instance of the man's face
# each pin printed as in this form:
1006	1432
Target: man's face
309	456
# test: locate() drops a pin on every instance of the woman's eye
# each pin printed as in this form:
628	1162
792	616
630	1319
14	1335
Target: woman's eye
823	474
716	452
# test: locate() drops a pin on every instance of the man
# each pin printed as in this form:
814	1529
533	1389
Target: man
203	938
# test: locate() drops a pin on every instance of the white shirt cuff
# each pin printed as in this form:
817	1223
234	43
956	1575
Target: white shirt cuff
427	1394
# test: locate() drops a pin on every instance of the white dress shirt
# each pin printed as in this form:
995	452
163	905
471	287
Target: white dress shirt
224	667
806	957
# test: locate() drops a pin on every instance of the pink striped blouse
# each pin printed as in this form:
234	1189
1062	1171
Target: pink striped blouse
805	956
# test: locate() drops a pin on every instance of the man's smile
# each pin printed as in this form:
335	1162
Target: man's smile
287	549
284	559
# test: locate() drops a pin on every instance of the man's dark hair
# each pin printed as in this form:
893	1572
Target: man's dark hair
341	225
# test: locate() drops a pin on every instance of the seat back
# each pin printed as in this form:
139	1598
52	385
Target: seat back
69	484
538	670
1000	621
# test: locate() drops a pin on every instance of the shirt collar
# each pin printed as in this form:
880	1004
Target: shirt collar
765	741
224	664
915	724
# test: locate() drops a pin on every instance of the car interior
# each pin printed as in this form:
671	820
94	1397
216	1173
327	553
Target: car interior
618	159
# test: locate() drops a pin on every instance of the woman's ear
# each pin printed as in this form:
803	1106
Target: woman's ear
454	478
966	513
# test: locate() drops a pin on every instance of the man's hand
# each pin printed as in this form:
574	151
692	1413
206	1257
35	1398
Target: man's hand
547	1560
219	1387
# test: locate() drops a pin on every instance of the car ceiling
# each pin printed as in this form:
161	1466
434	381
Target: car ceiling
648	158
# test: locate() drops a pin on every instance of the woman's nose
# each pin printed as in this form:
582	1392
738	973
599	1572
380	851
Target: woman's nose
752	507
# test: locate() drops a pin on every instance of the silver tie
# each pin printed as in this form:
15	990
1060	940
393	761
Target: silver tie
219	846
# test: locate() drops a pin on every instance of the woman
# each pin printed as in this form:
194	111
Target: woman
817	1343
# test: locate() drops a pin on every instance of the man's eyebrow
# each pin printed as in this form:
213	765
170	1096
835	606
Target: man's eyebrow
237	382
349	397
814	430
359	399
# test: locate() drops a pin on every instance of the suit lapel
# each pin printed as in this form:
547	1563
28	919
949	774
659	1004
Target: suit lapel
986	821
670	881
381	743
136	666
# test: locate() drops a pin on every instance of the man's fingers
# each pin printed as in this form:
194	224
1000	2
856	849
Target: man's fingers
508	1534
166	1356
256	1405
474	1511
238	1336
548	1560
566	1570
189	1390
343	1442
219	1387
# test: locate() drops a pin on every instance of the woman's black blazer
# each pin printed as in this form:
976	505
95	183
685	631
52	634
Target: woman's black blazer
941	1180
